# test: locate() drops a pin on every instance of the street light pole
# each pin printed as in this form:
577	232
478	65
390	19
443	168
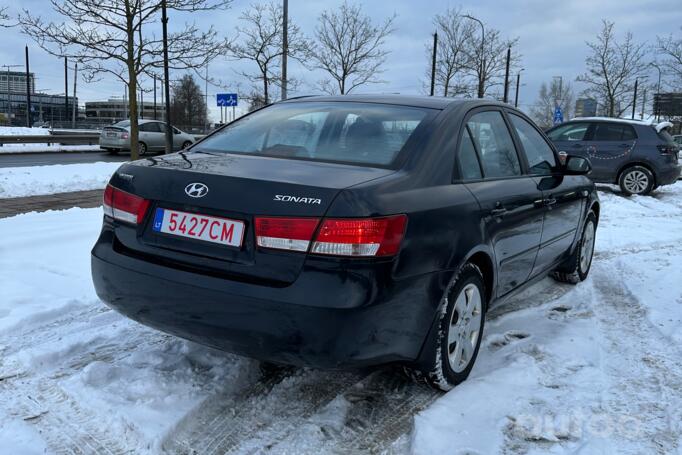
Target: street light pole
433	64
506	76
166	78
481	78
28	93
658	89
285	46
66	89
518	84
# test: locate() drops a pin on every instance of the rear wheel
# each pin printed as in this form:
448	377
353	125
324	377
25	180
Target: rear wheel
112	151
577	266
186	144
636	180
142	148
460	329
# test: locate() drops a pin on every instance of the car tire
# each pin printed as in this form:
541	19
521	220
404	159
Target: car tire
142	148
576	268
112	151
462	310
186	144
636	180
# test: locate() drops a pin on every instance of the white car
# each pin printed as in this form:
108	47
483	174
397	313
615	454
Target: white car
152	137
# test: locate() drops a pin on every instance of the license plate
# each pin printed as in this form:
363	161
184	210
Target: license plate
201	227
111	134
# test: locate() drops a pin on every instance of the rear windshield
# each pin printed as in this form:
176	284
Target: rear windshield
123	123
665	136
346	132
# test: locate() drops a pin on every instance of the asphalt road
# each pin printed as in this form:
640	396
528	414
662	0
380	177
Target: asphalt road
43	159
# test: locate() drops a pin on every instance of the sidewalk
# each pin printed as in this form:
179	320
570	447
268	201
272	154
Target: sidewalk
59	201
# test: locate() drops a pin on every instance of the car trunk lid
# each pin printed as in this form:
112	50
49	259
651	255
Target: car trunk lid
239	188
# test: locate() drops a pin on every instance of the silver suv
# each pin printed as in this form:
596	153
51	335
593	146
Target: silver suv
152	137
638	156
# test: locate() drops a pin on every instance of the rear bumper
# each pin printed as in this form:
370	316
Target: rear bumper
668	175
114	143
300	324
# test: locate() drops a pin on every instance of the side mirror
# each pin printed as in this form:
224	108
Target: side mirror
577	165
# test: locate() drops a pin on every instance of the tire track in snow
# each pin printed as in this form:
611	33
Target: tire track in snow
269	409
646	367
65	427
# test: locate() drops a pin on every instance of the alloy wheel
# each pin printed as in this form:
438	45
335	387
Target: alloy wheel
636	181
465	326
587	247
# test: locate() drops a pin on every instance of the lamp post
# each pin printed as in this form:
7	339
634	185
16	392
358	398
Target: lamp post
518	84
482	69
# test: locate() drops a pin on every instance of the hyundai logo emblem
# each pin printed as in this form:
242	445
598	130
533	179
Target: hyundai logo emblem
196	190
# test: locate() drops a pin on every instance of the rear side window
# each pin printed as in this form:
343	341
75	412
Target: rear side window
494	143
151	127
469	167
613	132
540	155
346	132
569	132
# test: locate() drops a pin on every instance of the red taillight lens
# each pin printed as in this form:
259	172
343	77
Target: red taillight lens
293	234
124	206
667	149
124	136
360	237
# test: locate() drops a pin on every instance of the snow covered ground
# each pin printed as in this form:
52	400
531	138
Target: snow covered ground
593	368
58	178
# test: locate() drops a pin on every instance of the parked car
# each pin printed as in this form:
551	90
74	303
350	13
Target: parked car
637	156
338	232
152	137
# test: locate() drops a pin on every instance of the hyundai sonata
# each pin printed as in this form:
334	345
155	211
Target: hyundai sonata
337	232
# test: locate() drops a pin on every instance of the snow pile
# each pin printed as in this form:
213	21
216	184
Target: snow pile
60	178
23	131
39	148
45	148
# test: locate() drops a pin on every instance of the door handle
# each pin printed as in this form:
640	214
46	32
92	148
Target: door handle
549	202
498	212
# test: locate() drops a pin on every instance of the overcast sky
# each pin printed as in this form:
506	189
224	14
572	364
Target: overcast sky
551	34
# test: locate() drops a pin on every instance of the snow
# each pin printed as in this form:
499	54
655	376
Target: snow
58	178
9	149
23	131
40	148
592	368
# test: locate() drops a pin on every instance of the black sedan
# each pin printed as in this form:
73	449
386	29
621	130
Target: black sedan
337	232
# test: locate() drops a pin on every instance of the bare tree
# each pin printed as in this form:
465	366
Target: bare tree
117	38
4	16
261	42
486	63
612	68
188	105
549	96
670	49
454	37
350	48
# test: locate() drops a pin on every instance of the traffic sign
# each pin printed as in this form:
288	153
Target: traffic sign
227	99
558	115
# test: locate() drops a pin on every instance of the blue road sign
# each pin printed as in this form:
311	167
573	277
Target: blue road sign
558	115
227	99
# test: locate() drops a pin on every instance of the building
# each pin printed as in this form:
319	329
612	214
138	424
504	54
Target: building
585	107
17	82
53	109
116	109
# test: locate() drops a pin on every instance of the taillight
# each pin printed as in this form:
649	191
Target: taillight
360	237
667	149
124	206
124	136
293	234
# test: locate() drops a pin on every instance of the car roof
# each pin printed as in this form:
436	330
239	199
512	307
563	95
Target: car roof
432	102
612	119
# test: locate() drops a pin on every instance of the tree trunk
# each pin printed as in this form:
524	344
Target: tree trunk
132	88
266	98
